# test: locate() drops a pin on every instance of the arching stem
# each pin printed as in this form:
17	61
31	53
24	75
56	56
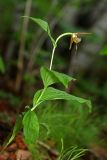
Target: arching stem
55	45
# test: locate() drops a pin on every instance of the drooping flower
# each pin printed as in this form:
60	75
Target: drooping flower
76	38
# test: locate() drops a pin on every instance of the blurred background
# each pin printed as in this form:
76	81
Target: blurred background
24	48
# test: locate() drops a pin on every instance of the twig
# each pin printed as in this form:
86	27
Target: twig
48	148
20	64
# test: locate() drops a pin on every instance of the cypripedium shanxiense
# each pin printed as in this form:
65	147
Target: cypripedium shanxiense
76	38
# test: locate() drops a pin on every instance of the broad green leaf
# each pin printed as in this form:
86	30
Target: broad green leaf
16	129
2	66
30	127
50	77
47	77
53	94
44	25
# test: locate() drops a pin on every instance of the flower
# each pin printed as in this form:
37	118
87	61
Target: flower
75	38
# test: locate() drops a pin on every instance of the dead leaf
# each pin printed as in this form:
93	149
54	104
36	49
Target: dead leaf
23	155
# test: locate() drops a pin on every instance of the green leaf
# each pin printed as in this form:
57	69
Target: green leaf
104	50
2	66
53	94
47	77
44	25
16	129
72	153
30	127
50	77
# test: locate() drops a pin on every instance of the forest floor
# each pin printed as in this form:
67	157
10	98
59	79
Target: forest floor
18	150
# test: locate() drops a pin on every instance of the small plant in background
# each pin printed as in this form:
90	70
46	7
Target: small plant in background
28	120
2	65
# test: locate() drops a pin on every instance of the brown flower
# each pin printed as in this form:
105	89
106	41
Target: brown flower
75	38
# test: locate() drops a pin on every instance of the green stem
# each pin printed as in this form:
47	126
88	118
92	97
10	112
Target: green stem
53	52
55	45
37	102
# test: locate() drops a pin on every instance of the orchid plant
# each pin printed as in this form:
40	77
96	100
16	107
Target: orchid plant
28	120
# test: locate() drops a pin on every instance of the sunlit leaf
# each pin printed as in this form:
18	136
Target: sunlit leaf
50	77
53	94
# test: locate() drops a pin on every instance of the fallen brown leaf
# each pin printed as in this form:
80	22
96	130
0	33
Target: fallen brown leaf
23	155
